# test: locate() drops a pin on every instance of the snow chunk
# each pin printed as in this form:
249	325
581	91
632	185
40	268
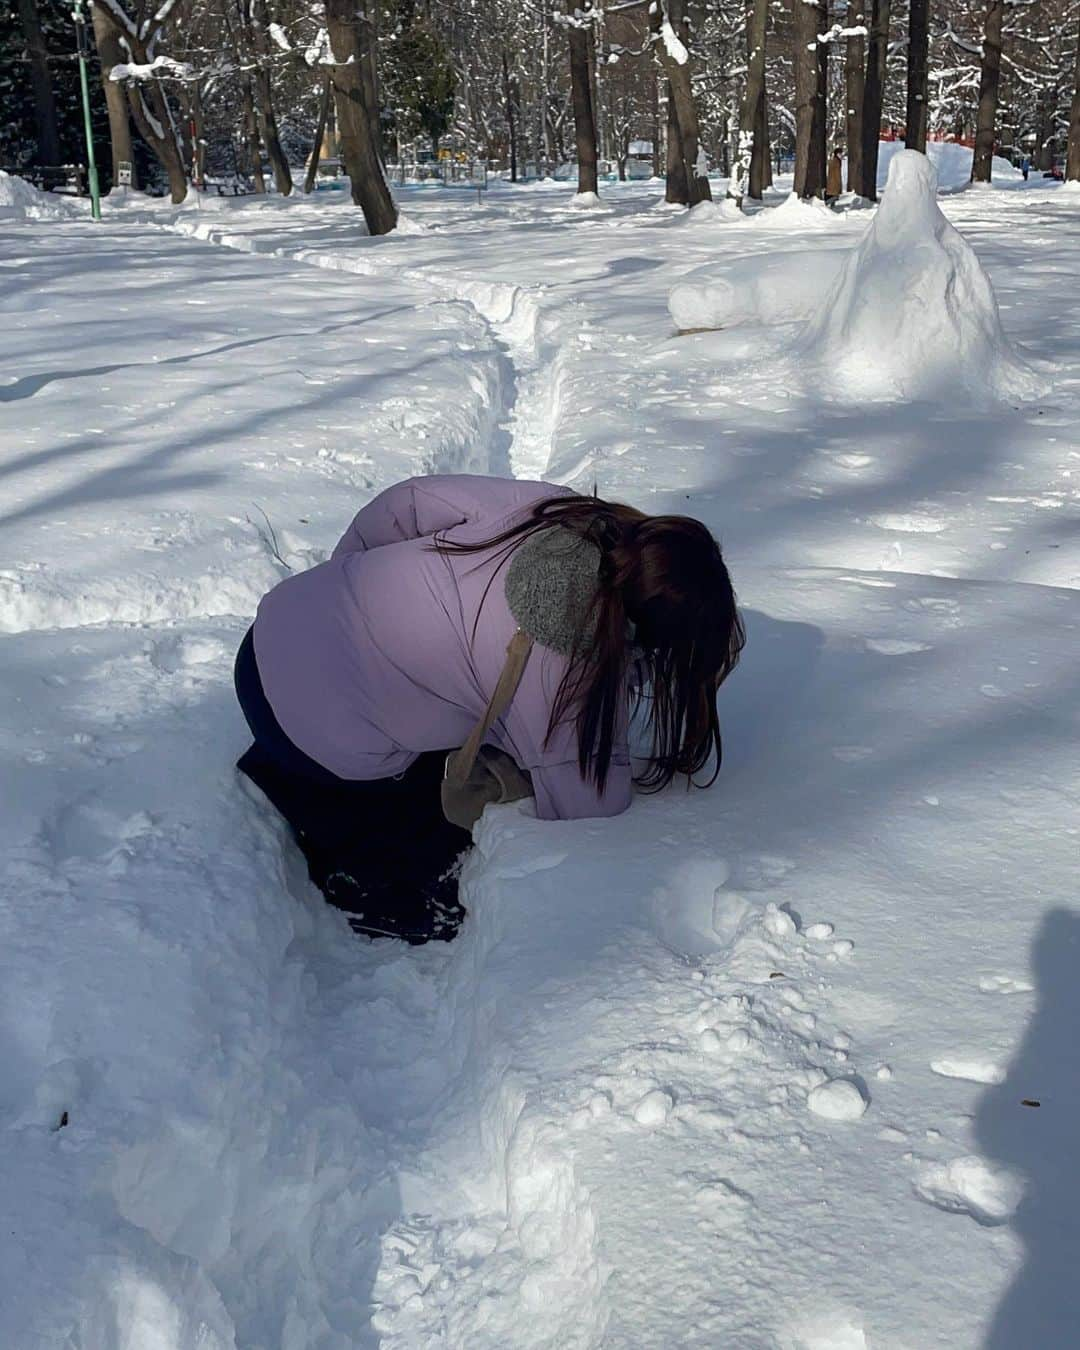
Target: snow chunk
973	1070
782	288
912	315
653	1109
839	1099
971	1186
778	922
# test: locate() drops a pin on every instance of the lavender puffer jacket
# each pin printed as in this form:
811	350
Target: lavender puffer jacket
370	658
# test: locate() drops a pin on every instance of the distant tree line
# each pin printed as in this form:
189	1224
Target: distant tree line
186	87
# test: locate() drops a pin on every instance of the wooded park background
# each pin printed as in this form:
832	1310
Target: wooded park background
241	90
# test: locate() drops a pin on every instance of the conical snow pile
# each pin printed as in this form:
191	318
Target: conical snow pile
912	314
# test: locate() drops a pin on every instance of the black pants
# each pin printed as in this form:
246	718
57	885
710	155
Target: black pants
381	850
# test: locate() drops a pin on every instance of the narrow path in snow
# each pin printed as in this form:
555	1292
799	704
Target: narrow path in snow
525	430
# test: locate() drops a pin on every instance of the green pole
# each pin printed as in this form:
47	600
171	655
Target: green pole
91	163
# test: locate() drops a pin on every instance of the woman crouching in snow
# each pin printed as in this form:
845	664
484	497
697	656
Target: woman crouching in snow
361	674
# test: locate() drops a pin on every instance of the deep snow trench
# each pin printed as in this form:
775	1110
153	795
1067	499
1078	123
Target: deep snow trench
523	435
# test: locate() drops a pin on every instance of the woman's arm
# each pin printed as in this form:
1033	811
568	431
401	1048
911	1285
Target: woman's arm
562	793
420	507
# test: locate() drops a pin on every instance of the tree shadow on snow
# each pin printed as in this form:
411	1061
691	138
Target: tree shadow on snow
1042	1306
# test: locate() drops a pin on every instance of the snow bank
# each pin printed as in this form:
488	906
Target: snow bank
585	200
797	214
781	288
708	212
20	200
952	163
912	314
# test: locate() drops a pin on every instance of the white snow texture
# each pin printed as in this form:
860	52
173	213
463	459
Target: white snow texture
780	1065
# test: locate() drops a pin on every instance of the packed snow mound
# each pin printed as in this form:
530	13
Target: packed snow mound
952	163
20	200
912	314
709	212
797	214
781	288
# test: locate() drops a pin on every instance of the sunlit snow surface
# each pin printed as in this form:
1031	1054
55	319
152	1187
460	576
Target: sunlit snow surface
790	1063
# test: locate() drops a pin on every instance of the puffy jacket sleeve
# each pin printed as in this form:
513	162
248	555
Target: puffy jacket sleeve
420	507
562	793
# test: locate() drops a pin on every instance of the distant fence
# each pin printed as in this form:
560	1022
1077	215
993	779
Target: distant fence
66	178
449	172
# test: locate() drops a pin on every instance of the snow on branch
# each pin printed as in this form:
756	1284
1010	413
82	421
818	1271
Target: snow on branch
154	124
279	36
576	20
672	45
838	31
133	71
153	25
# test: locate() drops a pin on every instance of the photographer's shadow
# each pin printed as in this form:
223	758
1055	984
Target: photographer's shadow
1041	1143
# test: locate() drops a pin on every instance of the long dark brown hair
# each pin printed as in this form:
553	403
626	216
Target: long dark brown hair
663	580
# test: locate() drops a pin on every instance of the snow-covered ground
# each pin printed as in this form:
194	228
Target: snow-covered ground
746	1068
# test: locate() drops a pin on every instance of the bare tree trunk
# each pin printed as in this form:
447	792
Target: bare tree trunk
186	131
1072	164
821	102
918	58
359	146
200	139
150	111
854	88
581	90
761	137
676	191
876	58
989	82
1044	136
753	125
508	102
48	138
369	74
251	134
264	98
654	82
810	79
673	30
110	53
320	133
